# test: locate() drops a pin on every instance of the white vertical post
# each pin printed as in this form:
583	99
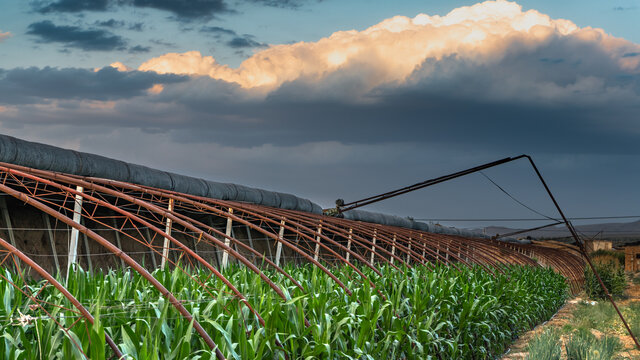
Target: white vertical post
279	246
424	247
73	240
316	254
409	252
447	255
225	253
393	248
167	230
373	247
349	243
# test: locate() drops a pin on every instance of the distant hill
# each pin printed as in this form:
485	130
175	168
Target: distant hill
621	233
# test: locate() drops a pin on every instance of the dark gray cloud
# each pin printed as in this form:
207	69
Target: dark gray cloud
138	26
186	9
235	41
291	4
119	24
217	30
72	6
244	41
138	49
76	37
111	23
182	9
35	85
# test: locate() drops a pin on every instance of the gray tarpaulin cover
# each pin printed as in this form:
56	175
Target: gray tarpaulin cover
47	157
384	219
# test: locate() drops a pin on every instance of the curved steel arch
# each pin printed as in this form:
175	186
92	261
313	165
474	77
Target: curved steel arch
394	246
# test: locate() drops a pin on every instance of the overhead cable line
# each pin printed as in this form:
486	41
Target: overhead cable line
536	219
516	200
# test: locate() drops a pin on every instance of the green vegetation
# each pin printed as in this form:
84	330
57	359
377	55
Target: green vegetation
601	316
608	256
612	275
545	346
583	345
424	314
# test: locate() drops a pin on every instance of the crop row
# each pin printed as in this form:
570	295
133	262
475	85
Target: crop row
416	313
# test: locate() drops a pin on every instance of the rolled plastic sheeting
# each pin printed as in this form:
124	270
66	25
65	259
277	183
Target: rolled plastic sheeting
51	158
391	220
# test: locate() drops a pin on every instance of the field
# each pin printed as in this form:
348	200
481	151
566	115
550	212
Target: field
417	313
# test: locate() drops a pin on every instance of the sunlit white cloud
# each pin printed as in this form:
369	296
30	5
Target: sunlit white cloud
391	51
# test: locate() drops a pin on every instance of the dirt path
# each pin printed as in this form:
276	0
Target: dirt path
564	318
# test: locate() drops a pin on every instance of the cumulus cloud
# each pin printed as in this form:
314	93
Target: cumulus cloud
76	37
400	48
488	76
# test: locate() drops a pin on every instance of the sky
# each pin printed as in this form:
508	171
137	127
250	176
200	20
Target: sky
342	99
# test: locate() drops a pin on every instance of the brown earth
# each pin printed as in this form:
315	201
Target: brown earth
518	350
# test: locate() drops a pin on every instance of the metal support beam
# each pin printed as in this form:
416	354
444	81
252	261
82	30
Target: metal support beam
279	246
316	253
73	240
165	246
373	247
393	248
349	243
225	253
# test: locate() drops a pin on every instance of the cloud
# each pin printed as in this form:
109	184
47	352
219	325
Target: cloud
416	97
186	9
292	4
4	36
244	41
111	23
40	86
76	37
182	9
489	76
397	52
216	30
139	49
72	6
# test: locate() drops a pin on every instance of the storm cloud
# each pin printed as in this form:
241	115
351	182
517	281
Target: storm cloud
76	37
39	86
182	9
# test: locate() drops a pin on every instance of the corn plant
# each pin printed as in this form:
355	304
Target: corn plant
416	313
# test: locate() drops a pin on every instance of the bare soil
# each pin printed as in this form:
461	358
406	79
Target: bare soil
565	315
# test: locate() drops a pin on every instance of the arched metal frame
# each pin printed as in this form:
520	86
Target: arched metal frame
305	236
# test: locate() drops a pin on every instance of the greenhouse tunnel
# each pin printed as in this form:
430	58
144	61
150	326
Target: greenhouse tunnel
130	216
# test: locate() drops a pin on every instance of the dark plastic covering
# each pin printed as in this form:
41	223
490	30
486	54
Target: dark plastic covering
391	220
47	157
